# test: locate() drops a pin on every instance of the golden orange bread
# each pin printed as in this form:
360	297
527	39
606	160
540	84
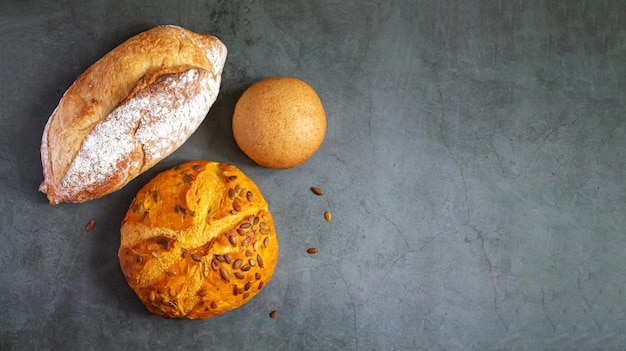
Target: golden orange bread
129	110
279	122
198	240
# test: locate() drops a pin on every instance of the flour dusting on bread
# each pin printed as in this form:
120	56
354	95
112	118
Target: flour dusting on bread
155	122
128	111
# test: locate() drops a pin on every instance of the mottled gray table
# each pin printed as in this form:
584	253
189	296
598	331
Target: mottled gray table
474	164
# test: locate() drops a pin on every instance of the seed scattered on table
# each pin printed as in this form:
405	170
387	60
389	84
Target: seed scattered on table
90	225
327	216
273	314
312	250
317	191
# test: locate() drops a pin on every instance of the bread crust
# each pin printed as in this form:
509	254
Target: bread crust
176	72
198	240
279	122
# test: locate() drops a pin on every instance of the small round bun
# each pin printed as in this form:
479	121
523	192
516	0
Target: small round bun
279	122
197	241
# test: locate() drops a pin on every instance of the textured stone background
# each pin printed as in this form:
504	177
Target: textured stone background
474	163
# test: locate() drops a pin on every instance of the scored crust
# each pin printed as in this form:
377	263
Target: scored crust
198	240
167	76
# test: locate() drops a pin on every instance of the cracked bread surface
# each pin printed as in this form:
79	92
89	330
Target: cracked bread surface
198	240
128	111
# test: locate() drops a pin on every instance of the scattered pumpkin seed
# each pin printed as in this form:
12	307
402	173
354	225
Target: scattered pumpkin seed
317	191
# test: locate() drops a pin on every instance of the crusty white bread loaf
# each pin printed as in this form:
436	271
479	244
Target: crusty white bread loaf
198	240
129	110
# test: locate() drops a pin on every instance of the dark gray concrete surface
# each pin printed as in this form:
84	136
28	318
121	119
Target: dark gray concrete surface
474	164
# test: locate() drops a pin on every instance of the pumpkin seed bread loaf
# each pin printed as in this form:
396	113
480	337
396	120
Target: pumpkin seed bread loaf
198	240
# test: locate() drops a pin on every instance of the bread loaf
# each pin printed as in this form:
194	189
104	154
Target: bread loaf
198	240
129	110
279	122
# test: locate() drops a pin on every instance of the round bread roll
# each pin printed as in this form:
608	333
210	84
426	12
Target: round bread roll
279	122
197	241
